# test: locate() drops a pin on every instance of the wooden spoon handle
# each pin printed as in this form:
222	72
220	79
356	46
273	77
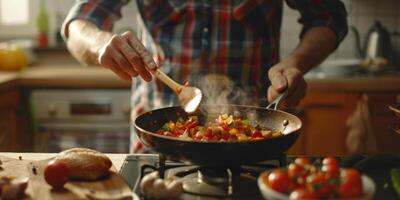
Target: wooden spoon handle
176	87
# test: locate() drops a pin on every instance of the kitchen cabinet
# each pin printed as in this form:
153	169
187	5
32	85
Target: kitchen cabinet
324	116
9	129
384	119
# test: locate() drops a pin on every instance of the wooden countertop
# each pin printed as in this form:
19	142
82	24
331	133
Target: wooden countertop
64	76
77	76
117	159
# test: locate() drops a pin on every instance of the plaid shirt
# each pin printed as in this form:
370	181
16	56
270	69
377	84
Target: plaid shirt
237	38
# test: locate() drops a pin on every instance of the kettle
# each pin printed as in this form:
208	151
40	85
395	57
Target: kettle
377	49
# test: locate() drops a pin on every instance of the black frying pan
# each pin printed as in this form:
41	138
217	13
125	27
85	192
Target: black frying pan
219	153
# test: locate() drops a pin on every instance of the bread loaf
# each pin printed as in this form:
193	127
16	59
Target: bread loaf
85	164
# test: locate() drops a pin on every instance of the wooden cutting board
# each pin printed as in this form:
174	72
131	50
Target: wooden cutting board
13	167
75	189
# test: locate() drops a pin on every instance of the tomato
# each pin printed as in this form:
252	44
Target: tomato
351	184
56	173
330	161
256	134
279	181
297	173
331	170
302	161
295	170
224	126
191	125
302	194
318	183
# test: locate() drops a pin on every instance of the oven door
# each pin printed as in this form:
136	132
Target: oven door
97	119
104	137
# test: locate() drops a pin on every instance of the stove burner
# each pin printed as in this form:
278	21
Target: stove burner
216	181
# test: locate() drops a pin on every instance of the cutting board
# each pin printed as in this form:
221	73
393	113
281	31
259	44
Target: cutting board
74	189
14	167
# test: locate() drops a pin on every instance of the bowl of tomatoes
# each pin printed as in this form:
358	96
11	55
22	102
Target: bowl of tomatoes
321	179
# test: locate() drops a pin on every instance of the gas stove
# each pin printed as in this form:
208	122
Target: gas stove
200	182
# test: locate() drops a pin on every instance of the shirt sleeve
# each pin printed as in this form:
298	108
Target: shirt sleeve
328	13
102	13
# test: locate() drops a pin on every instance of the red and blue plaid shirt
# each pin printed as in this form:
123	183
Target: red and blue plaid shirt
237	38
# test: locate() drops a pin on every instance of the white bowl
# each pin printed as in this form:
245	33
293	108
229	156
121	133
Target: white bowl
340	68
270	194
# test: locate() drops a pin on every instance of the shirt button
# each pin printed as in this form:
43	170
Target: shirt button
205	30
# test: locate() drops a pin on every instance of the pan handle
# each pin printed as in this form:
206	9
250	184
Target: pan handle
275	104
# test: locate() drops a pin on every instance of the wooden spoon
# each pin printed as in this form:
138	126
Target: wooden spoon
189	97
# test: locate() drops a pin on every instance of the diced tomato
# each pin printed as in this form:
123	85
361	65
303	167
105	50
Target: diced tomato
178	132
191	125
237	122
209	133
256	134
224	135
224	126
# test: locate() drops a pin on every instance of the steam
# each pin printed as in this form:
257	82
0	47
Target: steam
220	90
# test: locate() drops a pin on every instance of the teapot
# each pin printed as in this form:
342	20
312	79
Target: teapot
377	49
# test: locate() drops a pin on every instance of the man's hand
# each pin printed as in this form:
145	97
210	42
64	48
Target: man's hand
316	44
284	76
126	56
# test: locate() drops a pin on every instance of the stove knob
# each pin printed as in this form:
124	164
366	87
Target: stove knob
52	110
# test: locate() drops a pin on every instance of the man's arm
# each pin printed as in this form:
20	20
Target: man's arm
324	27
87	33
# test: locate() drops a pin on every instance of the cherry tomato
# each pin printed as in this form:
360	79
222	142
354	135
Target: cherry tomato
295	170
298	174
56	173
331	170
302	161
279	181
351	184
330	161
302	194
318	183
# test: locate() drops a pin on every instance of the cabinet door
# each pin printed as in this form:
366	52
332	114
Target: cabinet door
8	120
383	120
324	123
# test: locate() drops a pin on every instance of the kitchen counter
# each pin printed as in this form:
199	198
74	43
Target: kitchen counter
77	76
63	76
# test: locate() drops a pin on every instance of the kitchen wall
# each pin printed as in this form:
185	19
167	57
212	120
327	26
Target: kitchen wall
362	14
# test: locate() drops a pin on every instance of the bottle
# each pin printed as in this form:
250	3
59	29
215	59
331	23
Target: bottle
42	24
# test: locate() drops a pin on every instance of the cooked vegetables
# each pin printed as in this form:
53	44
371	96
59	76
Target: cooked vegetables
222	128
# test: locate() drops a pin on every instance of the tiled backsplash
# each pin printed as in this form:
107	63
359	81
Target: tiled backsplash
361	14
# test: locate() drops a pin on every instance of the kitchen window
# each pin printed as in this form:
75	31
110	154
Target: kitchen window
14	13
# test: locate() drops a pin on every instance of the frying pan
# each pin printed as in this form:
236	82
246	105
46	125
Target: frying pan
215	153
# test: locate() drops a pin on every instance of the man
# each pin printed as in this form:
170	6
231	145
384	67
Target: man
235	38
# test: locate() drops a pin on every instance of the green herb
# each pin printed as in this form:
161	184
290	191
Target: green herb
246	122
165	127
